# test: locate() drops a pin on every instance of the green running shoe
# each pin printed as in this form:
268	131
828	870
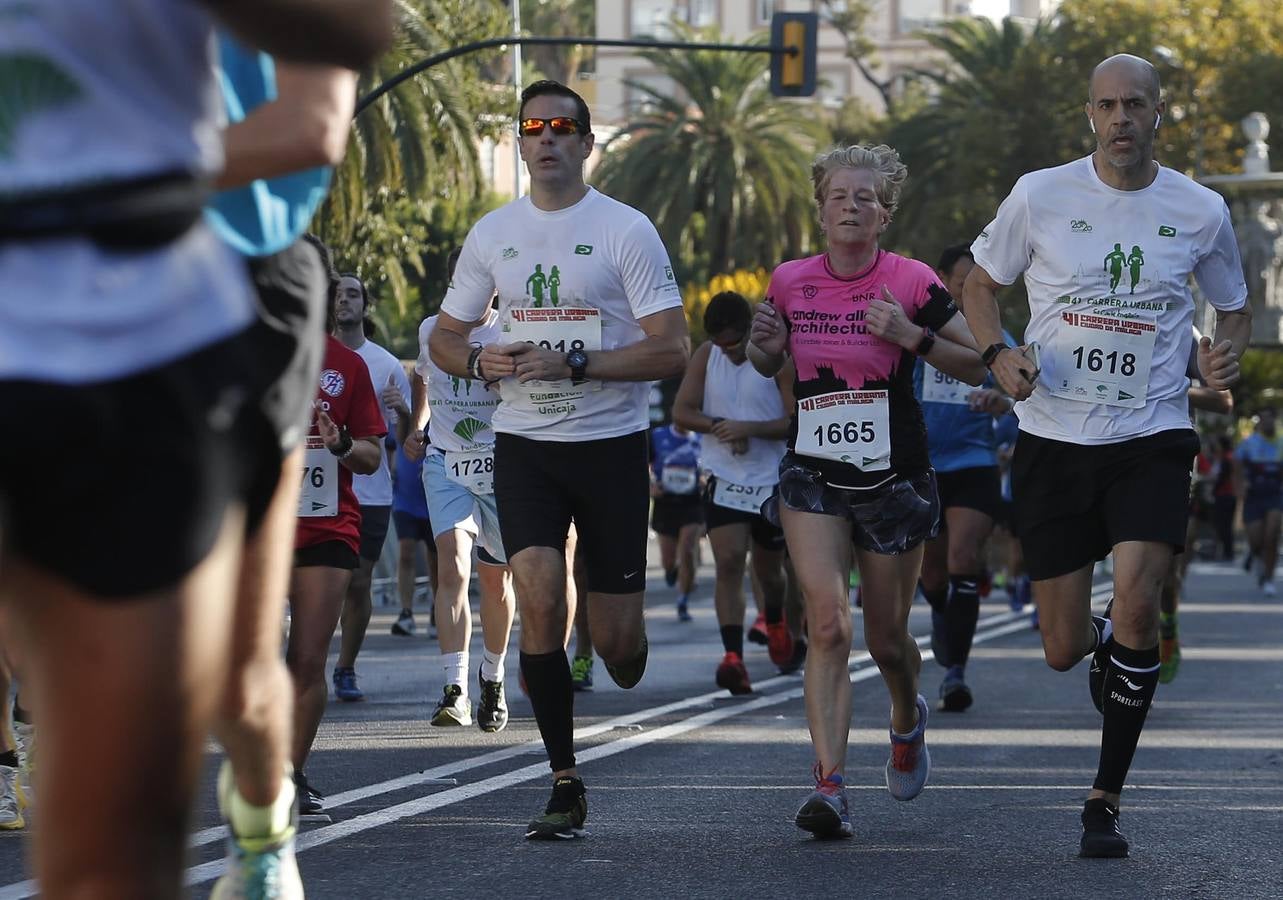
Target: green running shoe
564	816
581	673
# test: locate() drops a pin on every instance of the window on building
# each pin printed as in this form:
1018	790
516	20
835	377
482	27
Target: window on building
918	14
654	18
765	9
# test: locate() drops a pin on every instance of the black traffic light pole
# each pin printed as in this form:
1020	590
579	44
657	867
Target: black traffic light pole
775	49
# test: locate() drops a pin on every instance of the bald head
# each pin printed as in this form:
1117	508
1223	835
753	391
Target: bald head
1132	68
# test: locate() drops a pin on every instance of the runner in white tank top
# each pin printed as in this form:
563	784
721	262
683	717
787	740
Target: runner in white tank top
744	417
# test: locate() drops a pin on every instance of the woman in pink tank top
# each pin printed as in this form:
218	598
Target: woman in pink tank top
856	482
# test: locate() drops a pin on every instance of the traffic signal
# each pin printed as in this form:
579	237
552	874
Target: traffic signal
793	70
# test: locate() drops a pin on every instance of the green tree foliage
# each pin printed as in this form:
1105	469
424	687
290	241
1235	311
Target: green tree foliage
720	166
1009	100
412	161
559	18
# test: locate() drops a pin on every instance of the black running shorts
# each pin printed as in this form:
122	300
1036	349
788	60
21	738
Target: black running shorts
978	488
1074	502
670	513
136	493
327	554
292	289
374	531
764	534
602	485
890	519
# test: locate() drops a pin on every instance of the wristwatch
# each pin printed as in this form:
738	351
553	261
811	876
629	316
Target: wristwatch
928	341
991	353
578	362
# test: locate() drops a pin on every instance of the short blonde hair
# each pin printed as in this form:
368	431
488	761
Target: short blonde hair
882	161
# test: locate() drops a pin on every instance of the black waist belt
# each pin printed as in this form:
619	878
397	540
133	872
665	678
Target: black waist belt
132	215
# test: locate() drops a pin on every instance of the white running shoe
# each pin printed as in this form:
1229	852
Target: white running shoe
11	800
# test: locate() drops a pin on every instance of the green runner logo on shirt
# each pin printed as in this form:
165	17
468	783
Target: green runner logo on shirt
1116	261
465	383
29	84
540	286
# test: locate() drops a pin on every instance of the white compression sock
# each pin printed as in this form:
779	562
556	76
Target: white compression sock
492	666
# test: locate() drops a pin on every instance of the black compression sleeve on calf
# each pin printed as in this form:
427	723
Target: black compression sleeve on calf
1131	678
553	698
733	639
774	614
960	616
936	599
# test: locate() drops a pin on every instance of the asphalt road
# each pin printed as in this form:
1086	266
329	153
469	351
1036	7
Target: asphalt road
692	792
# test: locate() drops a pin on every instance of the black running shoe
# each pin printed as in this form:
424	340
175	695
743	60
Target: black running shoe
1101	837
1100	662
492	711
564	816
311	805
631	672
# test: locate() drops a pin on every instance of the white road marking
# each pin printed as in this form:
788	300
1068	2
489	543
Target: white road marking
862	670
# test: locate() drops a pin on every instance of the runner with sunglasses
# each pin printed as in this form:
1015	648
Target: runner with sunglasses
589	314
856	481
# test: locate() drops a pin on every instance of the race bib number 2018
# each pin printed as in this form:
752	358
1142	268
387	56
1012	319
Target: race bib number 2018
558	328
853	427
1101	358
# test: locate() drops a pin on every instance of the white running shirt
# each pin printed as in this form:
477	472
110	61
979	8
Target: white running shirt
741	393
98	92
1108	277
460	409
375	489
599	255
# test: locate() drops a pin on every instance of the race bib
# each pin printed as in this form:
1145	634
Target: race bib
474	470
853	427
320	494
1102	358
740	496
678	479
558	328
937	387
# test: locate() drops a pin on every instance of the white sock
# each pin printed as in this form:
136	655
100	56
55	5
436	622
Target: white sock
456	669
492	666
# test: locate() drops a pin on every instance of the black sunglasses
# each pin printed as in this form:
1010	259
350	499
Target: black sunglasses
558	124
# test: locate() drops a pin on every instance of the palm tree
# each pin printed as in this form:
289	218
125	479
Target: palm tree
719	165
998	109
415	147
420	139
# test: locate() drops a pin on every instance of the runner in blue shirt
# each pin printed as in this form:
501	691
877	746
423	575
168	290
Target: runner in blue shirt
963	451
677	514
1260	474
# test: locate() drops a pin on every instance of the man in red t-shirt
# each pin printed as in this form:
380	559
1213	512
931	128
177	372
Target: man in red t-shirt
345	438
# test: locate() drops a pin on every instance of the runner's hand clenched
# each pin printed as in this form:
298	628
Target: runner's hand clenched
768	333
1014	373
1218	365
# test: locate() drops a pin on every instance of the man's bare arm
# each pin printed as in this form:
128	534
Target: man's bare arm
304	127
348	33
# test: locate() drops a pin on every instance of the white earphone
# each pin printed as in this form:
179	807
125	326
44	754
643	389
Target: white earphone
1092	124
1158	120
